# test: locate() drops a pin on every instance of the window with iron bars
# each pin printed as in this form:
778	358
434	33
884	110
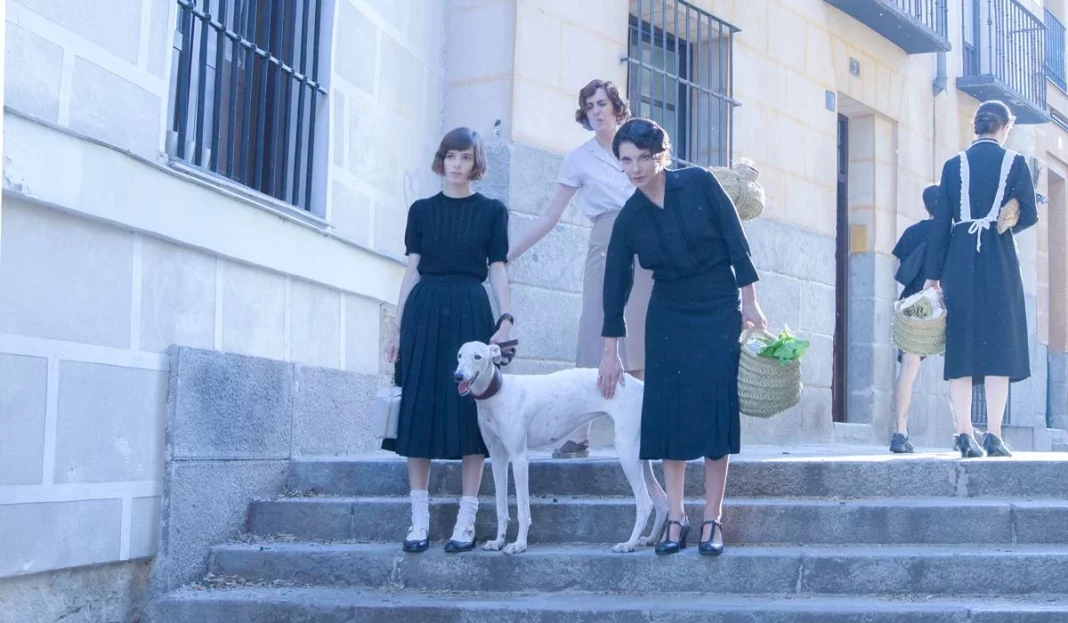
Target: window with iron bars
980	415
680	74
247	93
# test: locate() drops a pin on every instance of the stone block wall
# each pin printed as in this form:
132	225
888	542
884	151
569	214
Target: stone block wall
233	424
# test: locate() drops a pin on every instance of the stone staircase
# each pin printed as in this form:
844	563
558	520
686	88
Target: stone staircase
810	539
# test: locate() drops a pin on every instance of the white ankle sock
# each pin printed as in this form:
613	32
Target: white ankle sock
420	515
465	519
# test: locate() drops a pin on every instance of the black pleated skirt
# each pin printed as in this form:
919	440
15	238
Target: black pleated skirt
690	408
441	314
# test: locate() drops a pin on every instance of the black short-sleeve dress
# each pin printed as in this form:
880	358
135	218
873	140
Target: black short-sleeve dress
699	255
913	242
456	240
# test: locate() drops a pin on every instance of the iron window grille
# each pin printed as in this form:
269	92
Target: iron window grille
1055	50
1004	40
932	14
979	411
680	74
247	92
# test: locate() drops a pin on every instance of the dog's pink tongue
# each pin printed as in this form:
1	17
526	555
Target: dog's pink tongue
463	387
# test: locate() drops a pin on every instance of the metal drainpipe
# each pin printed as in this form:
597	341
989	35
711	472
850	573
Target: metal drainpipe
938	87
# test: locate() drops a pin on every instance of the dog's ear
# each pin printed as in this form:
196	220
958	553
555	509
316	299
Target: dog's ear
495	353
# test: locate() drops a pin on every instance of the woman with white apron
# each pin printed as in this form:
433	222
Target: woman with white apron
592	171
978	271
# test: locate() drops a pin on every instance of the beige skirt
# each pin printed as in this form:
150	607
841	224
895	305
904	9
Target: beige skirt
590	343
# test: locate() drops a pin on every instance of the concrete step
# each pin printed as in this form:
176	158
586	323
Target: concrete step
322	605
884	475
789	521
889	570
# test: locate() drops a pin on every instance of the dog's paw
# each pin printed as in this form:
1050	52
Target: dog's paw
515	548
493	546
623	548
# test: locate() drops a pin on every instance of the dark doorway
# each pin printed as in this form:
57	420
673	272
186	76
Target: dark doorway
841	290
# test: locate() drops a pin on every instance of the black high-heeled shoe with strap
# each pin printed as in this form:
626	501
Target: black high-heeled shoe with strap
707	548
667	546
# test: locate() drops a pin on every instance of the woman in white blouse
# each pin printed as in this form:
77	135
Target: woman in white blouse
594	173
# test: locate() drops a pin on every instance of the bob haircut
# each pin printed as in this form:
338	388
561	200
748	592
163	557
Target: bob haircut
619	105
931	197
461	139
644	134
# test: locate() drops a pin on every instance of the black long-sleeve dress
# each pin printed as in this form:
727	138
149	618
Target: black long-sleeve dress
986	325
699	255
456	240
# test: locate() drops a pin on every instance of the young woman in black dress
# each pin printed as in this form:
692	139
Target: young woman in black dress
979	274
453	241
682	226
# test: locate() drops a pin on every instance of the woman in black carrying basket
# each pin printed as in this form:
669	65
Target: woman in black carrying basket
682	226
453	240
971	256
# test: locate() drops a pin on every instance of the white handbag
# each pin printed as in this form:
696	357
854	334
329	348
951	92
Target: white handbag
385	412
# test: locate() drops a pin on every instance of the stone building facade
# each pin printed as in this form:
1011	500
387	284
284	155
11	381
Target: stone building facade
163	184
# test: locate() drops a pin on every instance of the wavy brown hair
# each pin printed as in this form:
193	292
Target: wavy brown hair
619	105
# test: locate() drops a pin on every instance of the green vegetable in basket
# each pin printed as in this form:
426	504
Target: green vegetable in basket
786	348
920	309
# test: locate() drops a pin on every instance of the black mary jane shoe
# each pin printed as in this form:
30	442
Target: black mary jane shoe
416	546
667	546
707	548
455	547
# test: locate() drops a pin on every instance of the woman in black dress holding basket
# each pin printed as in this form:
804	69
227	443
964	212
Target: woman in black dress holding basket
971	257
453	240
682	226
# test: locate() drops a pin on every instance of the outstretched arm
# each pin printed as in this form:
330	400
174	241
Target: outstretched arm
542	225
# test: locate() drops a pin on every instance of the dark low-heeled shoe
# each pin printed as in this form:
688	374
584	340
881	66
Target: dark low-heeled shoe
416	546
969	447
454	547
900	444
707	548
667	546
995	446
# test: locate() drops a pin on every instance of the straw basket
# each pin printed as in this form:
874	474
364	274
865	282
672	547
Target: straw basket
766	387
740	184
914	330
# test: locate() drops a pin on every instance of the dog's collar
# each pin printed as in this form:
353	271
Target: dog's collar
495	386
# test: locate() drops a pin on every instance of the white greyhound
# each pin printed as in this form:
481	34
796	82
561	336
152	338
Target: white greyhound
519	412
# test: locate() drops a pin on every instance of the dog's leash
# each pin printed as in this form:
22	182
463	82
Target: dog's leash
508	351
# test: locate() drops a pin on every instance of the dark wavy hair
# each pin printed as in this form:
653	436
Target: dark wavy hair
644	134
931	198
992	116
619	105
